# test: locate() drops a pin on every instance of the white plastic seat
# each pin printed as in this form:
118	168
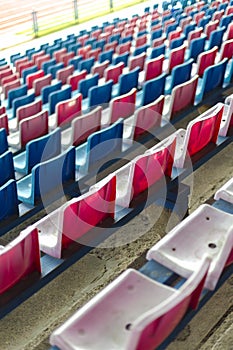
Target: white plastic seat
206	231
225	192
227	116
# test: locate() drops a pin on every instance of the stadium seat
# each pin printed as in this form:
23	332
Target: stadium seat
33	76
58	96
106	55
28	71
59	229
216	37
38	150
7	168
49	89
47	178
196	47
137	61
74	79
227	118
63	73
21	101
179	74
99	68
100	146
200	132
153	68
206	59
16	83
215	240
176	57
121	58
85	84
225	192
8	196
145	322
54	69
30	128
39	83
151	90
127	81
15	93
25	251
113	72
86	64
213	77
99	95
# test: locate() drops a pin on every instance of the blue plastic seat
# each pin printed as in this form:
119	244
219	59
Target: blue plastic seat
99	95
106	55
99	44
151	90
15	93
51	49
140	49
188	28
177	42
15	57
101	145
21	101
196	47
3	141
37	151
85	84
28	71
215	38
58	96
8	196
204	20
44	46
75	61
157	51
127	81
90	41
74	47
86	64
156	34
126	39
229	73
67	43
213	77
7	168
121	58
47	90
114	37
45	65
170	28
179	75
226	20
47	179
53	69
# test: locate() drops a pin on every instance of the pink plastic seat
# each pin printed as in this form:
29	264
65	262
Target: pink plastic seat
110	46
229	10
32	77
176	57
39	83
158	42
154	68
114	72
4	67
94	53
174	35
36	55
9	86
121	107
226	49
210	27
142	40
19	62
182	96
194	34
41	59
147	312
206	59
77	217
4	122
2	110
82	39
74	79
122	48
64	73
19	259
83	51
200	132
109	28
145	170
137	61
198	16
229	31
205	231
5	73
217	15
184	22
95	34
66	57
66	111
25	112
58	54
100	68
9	79
24	65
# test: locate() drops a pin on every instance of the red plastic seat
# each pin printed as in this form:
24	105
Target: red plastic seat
142	40
33	127
36	55
66	57
100	68
28	110
154	68
4	122
83	51
110	46
210	27
94	53
176	57
24	65
137	61
122	106
41	59
32	77
39	83
122	48
226	49
19	259
67	110
57	54
5	73
74	79
64	73
9	86
113	72
206	59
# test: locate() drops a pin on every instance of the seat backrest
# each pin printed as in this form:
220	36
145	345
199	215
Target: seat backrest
5	73
216	37
212	25
85	84
9	78
40	60
100	68
226	49
88	210
158	51
66	57
100	95
194	34
106	55
141	40
128	81
21	101
52	174
28	110
26	252
35	55
94	53
7	167
68	109
121	58
32	77
206	59
26	72
213	76
48	89
33	127
57	54
139	50
114	72
54	68
48	63
153	88
15	93
181	73
8	196
122	106
176	57
10	86
148	117
4	122
74	79
183	96
75	61
137	61
154	67
43	148
105	143
58	96
156	34
197	46
64	73
86	125
86	64
39	83
3	141
23	66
